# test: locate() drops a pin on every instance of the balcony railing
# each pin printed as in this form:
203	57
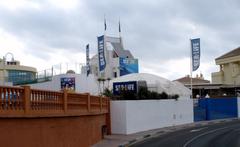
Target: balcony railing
26	102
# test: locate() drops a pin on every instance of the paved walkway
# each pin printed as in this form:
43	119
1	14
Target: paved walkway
126	140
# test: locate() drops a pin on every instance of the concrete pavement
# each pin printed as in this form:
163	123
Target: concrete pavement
127	140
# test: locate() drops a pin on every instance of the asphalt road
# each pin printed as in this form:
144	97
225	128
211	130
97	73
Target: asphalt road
224	134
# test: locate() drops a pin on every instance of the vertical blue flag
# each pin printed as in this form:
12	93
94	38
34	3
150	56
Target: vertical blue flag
87	59
101	55
195	45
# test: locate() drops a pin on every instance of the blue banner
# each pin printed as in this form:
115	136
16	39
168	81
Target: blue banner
87	59
130	86
101	55
195	45
128	66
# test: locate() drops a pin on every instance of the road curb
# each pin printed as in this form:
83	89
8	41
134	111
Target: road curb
146	136
131	142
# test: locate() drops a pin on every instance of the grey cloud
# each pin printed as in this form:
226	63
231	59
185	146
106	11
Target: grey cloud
154	30
150	29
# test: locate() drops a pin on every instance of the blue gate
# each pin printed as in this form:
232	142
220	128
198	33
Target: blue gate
215	108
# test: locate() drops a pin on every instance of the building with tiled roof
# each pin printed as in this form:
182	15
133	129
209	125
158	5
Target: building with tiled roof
197	80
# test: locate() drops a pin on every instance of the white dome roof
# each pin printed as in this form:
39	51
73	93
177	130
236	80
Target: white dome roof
160	84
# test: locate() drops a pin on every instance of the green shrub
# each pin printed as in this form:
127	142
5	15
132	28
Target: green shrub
143	94
107	92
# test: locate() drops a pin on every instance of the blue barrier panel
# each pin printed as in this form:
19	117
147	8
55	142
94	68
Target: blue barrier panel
219	108
199	114
200	111
202	103
215	108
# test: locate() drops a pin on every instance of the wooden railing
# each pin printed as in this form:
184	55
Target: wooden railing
26	102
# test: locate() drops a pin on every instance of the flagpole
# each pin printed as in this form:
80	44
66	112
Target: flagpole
191	96
120	31
104	44
119	28
105	25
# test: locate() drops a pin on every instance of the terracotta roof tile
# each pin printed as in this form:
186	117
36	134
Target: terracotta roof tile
186	80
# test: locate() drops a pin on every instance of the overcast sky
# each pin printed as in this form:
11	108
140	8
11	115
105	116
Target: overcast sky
42	33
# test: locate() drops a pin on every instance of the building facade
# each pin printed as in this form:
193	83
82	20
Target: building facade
229	68
119	61
11	72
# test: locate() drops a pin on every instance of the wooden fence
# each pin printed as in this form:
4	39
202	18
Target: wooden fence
26	102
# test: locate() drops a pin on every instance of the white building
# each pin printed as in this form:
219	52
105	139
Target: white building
118	60
157	84
119	66
79	83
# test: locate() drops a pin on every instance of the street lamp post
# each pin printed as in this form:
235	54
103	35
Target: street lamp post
4	62
4	65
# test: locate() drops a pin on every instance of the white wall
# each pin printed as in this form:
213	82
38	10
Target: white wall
134	116
83	83
118	117
238	106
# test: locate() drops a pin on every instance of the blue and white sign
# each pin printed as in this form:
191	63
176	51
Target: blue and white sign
130	86
101	55
128	66
68	83
195	45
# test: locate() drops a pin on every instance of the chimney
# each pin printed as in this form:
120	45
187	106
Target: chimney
201	76
197	76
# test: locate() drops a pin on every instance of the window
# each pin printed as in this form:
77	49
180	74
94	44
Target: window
115	74
18	75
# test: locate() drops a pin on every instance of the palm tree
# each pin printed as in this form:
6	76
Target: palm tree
99	88
108	79
103	80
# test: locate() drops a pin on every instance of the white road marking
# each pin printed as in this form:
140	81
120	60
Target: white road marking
196	130
200	135
237	129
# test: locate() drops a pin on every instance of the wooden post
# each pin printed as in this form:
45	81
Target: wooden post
27	97
88	102
65	102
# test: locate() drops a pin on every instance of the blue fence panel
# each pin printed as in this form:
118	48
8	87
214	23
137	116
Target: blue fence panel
219	108
199	114
215	108
200	111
